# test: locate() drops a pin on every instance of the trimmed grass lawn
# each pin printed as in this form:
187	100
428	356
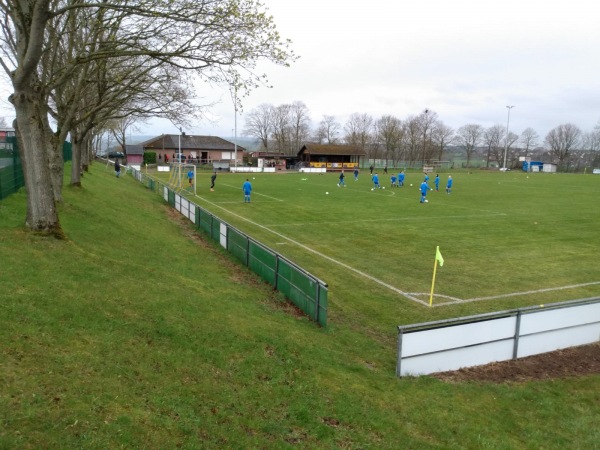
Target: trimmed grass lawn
135	332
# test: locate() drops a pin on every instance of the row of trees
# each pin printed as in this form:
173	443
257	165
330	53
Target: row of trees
77	68
416	139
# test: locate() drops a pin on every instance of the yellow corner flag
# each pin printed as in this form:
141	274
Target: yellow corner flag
438	259
438	256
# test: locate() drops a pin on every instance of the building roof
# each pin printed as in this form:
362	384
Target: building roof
319	149
134	149
188	142
267	154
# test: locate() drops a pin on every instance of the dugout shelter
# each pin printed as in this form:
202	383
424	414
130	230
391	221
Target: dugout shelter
274	160
331	157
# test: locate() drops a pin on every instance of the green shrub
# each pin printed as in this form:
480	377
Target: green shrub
149	157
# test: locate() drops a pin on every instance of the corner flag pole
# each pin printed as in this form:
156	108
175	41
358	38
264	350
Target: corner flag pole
438	257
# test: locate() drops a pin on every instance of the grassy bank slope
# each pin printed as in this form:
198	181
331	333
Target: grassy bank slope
135	333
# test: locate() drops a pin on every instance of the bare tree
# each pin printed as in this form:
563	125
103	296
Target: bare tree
529	140
216	40
259	123
590	145
427	120
412	138
389	133
119	130
282	128
562	140
591	141
329	130
441	136
358	129
492	139
511	152
470	136
300	125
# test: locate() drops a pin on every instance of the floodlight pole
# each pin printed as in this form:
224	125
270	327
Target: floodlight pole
235	128
506	140
179	151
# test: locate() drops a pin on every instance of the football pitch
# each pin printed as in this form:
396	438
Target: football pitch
508	239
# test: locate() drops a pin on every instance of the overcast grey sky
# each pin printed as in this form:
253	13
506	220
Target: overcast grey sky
464	59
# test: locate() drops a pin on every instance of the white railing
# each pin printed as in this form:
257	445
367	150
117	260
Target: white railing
476	340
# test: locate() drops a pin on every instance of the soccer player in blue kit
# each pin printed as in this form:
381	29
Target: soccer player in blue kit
424	188
375	179
401	178
437	182
449	184
247	188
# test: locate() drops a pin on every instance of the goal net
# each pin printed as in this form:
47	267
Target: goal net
183	177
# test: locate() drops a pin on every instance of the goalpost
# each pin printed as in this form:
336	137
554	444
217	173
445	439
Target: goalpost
180	176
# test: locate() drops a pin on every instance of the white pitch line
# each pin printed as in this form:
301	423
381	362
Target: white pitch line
322	255
408	295
455	300
254	192
399	219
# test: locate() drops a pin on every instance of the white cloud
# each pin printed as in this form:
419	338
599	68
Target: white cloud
464	59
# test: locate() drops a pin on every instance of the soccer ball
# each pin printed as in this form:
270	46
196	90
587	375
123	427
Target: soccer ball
383	187
410	184
372	188
326	193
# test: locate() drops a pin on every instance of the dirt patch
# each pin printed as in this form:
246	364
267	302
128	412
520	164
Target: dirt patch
567	363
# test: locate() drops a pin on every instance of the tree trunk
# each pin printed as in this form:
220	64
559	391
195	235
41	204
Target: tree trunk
75	161
86	152
55	158
42	215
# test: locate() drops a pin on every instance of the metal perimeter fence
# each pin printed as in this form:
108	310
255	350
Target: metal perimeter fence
303	289
11	167
452	344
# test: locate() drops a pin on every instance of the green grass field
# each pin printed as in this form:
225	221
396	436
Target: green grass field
135	332
508	239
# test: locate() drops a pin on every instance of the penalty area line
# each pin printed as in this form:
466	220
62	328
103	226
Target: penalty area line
255	193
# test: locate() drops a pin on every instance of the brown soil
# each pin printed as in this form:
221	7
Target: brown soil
570	362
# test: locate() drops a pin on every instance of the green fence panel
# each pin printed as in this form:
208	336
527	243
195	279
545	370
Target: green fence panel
205	221
322	305
303	289
237	245
262	261
67	151
215	232
11	170
172	198
299	288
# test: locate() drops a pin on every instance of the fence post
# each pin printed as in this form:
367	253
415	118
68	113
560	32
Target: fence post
317	301
517	334
276	270
399	357
247	251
